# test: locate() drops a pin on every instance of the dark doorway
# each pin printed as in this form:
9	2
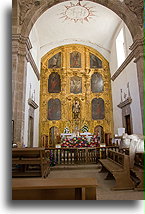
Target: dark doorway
128	124
31	124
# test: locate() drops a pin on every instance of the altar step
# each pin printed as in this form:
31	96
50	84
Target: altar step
67	167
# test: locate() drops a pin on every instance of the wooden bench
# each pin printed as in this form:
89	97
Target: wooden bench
54	189
117	165
29	162
138	170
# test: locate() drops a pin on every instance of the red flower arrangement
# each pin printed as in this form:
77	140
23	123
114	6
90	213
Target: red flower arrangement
80	142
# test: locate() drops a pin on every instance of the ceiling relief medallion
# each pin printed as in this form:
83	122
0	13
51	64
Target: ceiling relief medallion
77	12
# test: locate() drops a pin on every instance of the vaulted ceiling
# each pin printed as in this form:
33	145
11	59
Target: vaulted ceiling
79	22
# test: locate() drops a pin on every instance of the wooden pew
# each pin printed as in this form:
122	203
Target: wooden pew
29	162
138	170
117	164
54	189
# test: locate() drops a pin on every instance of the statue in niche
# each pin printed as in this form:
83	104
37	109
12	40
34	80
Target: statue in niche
76	109
98	131
95	62
75	60
55	61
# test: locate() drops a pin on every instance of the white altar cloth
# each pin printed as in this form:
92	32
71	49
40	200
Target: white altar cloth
88	135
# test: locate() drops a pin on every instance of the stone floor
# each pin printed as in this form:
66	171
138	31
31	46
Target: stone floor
103	190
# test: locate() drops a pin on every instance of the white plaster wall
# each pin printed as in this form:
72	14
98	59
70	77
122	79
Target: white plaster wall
97	32
35	85
32	79
131	72
48	47
128	75
35	50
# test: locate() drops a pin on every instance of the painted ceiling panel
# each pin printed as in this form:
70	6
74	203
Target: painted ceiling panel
81	22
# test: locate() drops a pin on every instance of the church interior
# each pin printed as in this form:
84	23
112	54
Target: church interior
77	95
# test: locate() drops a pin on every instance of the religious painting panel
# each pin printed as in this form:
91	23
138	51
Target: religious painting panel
95	62
54	109
55	61
98	109
75	60
75	85
97	84
54	83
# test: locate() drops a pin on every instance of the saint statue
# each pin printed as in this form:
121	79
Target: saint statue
76	109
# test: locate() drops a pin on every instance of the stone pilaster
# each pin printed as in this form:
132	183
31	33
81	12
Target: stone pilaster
20	49
137	47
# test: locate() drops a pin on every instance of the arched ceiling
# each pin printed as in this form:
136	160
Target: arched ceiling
82	22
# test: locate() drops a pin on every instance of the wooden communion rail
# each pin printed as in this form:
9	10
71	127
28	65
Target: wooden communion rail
71	156
36	162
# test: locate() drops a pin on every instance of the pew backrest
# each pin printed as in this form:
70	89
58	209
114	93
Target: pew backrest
118	158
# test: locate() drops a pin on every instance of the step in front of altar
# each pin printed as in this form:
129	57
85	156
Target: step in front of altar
75	166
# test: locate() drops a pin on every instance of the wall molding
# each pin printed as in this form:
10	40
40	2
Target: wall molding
32	103
18	39
123	66
33	64
125	102
136	52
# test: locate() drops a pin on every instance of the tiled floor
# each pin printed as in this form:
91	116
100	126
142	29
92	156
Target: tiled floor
103	190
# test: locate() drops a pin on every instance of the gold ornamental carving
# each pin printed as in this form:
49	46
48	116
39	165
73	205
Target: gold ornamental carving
75	107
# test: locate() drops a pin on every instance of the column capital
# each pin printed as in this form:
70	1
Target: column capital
20	44
137	47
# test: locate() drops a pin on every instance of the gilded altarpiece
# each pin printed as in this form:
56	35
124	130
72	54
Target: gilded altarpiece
75	94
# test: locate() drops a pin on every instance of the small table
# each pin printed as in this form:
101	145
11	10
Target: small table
54	189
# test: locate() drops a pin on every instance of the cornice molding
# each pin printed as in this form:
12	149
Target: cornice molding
22	40
33	64
137	43
32	103
136	52
123	66
125	103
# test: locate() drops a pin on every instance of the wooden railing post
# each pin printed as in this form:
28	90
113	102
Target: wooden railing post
79	155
